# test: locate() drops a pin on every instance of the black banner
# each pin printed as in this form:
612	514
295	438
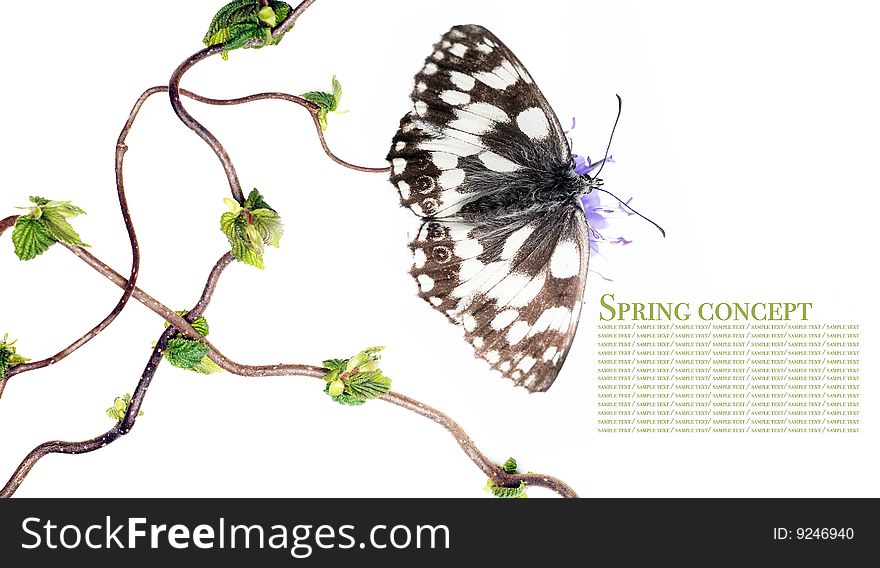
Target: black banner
399	532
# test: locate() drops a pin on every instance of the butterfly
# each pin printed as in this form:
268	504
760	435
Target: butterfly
504	244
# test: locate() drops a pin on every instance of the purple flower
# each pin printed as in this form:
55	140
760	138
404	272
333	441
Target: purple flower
598	214
583	166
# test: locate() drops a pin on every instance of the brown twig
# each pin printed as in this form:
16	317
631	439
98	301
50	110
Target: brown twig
311	107
492	470
197	127
127	290
125	425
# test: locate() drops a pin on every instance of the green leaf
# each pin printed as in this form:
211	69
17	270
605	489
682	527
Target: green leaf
327	102
267	16
337	91
200	324
518	492
120	407
360	376
65	208
250	227
206	366
335	364
185	353
56	223
31	238
232	13
321	98
509	466
367	386
269	226
241	21
8	355
255	201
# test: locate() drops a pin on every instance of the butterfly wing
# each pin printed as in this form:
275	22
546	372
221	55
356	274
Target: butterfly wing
517	290
477	113
479	143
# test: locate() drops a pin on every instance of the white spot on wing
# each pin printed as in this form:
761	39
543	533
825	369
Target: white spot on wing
398	165
429	69
492	357
419	258
504	319
533	122
472	124
486	110
469	269
488	276
526	364
504	366
551	319
478	342
400	146
469	322
435	301
566	260
421	108
438	55
458	49
498	163
455	97
426	283
468	248
450	179
494	80
484	48
444	161
422	87
508	288
515	240
549	353
404	189
461	80
451	145
517	332
529	292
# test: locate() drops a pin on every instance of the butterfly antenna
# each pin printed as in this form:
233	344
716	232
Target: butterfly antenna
659	228
610	138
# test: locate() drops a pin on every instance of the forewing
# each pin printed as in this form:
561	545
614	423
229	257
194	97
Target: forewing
477	114
516	289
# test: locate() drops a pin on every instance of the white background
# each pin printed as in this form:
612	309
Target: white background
749	132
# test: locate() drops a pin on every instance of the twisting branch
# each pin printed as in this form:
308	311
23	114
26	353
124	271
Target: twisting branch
127	290
183	324
491	469
311	107
125	425
195	125
176	322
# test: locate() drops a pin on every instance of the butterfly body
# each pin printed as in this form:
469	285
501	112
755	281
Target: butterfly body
504	245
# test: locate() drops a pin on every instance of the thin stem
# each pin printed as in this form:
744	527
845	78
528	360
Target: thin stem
492	470
125	425
7	223
197	127
495	473
129	287
265	370
180	323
